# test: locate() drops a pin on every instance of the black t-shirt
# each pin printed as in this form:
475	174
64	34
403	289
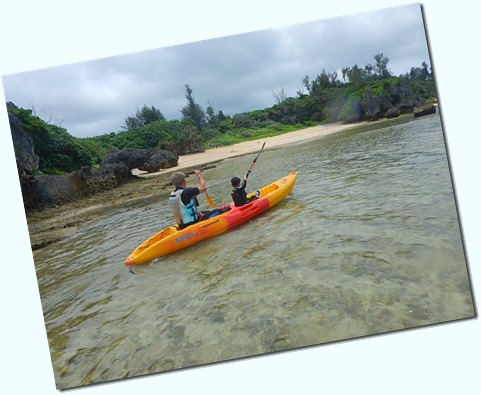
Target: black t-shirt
188	194
239	194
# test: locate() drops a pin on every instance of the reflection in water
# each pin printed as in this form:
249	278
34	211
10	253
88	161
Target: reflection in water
368	242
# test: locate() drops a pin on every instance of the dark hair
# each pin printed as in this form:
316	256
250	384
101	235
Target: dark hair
235	181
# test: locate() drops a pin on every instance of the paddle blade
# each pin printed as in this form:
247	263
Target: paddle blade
209	200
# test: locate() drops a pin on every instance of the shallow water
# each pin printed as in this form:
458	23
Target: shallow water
368	242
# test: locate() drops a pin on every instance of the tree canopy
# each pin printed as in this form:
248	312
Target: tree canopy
143	117
192	112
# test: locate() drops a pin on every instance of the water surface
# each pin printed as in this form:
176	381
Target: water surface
368	242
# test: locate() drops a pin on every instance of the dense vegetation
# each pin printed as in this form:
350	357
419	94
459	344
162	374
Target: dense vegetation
58	151
323	99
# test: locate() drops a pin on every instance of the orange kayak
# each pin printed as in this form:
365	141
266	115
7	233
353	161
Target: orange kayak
172	239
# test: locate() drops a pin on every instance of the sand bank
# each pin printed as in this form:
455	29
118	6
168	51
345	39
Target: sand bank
248	147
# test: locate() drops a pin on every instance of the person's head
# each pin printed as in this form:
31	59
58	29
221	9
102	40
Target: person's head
235	181
177	179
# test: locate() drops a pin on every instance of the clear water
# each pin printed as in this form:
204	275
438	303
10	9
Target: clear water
368	242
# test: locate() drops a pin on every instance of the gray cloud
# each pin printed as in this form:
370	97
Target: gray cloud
236	74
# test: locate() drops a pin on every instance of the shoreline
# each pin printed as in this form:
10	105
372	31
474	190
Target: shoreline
53	224
213	155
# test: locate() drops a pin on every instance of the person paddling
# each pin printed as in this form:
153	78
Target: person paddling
239	195
183	201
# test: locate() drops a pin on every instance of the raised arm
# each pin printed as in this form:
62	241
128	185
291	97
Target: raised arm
202	186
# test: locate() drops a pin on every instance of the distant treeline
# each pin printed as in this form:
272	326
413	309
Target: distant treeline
326	98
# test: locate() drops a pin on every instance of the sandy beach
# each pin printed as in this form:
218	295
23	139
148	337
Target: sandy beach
248	147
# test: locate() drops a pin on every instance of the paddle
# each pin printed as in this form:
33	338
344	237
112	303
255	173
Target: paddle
255	159
209	200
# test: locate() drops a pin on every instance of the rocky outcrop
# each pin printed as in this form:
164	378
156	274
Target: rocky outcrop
376	105
27	160
403	97
396	98
149	160
424	110
393	112
48	190
115	170
194	146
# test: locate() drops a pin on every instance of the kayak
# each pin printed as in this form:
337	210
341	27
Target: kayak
172	238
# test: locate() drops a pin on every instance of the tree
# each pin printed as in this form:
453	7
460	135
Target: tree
420	73
344	71
279	95
214	119
193	112
321	82
333	79
369	70
46	115
380	68
210	113
425	75
355	75
221	116
143	117
307	84
65	152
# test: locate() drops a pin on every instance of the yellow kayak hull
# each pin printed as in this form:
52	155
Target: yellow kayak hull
172	239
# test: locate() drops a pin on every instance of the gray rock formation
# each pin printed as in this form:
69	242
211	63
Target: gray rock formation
48	190
115	170
393	112
424	110
376	105
27	160
398	97
149	160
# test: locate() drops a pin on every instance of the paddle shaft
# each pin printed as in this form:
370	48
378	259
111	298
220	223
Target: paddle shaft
254	161
211	202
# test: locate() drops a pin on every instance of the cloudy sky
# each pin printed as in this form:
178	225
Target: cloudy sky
30	40
235	74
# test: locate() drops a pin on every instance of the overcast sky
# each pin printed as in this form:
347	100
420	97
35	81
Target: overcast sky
235	74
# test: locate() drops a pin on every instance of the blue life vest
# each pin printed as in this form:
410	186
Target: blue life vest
185	214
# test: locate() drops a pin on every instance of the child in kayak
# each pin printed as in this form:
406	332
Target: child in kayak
239	195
